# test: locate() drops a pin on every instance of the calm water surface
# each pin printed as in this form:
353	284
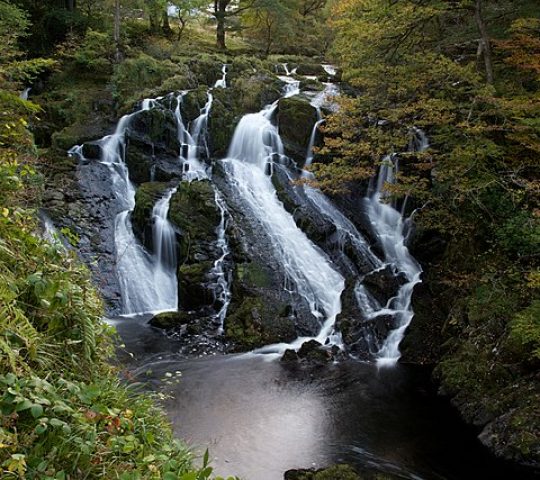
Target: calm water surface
260	418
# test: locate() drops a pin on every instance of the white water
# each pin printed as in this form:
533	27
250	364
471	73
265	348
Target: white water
25	93
330	69
192	141
389	227
164	236
255	143
222	290
222	82
145	284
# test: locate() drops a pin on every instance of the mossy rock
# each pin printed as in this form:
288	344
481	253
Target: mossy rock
296	118
253	275
157	127
169	320
192	104
192	285
253	323
224	117
257	91
206	68
312	70
141	218
335	472
139	160
194	212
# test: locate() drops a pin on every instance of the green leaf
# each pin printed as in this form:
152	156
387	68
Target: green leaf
36	410
170	476
24	405
41	428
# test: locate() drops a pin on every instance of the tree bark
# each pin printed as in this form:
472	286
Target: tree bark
166	27
220	32
486	44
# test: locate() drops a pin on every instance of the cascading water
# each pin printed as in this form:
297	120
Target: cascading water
222	290
25	93
389	227
145	284
255	144
222	82
191	142
164	236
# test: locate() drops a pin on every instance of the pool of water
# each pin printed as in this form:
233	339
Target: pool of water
260	418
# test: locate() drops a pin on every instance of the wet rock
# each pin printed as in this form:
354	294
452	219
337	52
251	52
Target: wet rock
192	284
92	151
296	118
223	119
152	134
141	219
383	284
334	472
169	320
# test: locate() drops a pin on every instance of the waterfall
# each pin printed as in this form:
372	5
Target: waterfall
254	146
190	142
164	236
309	154
389	226
222	290
25	93
145	285
222	82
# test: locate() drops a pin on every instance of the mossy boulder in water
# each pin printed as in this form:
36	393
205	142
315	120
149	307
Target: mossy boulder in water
253	324
192	103
194	212
222	122
141	219
335	472
311	70
296	118
257	91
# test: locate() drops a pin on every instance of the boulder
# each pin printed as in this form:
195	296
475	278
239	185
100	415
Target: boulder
92	151
296	119
384	284
141	219
311	70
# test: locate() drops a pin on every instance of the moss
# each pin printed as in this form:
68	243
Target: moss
296	118
194	212
338	472
244	326
141	218
191	283
253	274
257	91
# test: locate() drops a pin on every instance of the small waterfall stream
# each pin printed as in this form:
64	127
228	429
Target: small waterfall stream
390	228
222	82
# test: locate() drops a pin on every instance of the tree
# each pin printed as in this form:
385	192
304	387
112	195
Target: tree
271	23
225	9
185	11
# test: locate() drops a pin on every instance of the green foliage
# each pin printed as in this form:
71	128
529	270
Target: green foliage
525	329
141	72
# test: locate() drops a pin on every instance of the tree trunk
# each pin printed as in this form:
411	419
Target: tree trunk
181	27
220	31
486	44
116	33
166	27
